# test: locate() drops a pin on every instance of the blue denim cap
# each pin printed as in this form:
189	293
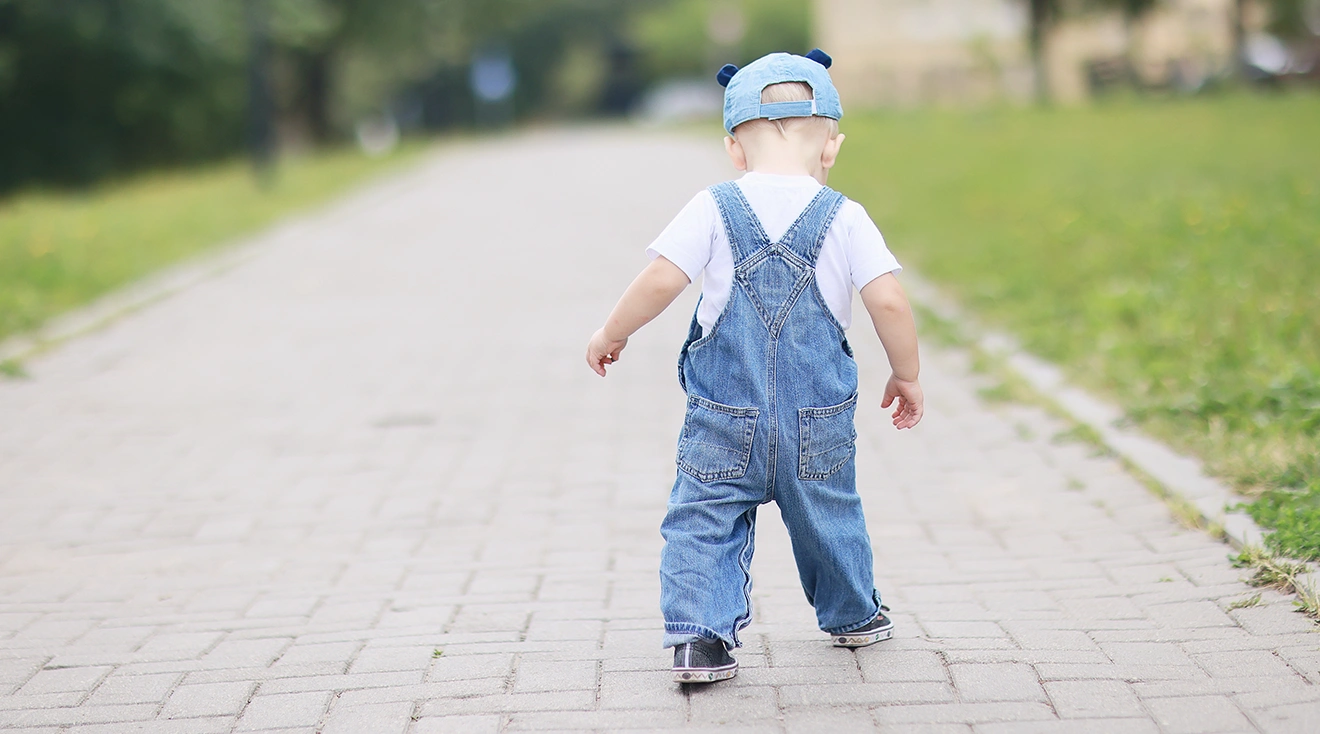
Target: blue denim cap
742	93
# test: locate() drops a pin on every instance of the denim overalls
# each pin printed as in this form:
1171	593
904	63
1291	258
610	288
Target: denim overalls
771	393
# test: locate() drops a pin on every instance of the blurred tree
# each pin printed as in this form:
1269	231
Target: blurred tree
1041	15
315	36
695	37
88	87
1292	19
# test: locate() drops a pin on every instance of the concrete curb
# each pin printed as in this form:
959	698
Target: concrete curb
1183	477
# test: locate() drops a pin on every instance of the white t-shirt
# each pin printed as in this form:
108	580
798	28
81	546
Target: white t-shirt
852	255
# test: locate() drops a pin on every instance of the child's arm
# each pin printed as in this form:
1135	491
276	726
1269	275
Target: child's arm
891	314
650	294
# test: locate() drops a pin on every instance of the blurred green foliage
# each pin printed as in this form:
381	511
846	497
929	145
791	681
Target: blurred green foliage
675	38
1166	253
88	87
61	250
93	88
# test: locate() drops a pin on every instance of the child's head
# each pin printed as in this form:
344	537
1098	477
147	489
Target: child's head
782	114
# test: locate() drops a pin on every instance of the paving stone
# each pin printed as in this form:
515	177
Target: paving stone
67	716
1189	614
62	680
643	690
475	724
956	630
1297	718
389	659
283	710
120	688
236	653
208	699
1108	725
996	682
214	725
1243	663
378	718
553	676
732	706
177	646
884	665
1146	653
1093	699
454	667
1222	685
1197	714
963	713
830	718
336	654
903	692
515	702
303	683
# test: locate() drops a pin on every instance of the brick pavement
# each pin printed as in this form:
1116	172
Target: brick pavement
364	483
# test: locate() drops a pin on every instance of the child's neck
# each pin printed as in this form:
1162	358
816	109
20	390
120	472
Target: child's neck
786	167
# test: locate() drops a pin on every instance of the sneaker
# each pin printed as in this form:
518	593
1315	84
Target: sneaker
880	628
703	661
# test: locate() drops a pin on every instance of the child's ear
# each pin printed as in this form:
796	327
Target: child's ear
831	153
736	153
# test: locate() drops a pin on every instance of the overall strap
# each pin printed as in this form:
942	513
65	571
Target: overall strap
746	236
807	234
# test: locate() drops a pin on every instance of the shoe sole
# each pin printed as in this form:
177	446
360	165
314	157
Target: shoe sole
704	675
869	638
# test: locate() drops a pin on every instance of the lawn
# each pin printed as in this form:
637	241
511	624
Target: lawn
62	249
1166	253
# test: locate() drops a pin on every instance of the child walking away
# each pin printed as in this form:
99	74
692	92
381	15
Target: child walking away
770	378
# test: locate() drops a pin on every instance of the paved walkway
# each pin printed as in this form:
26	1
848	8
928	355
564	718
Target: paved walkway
364	483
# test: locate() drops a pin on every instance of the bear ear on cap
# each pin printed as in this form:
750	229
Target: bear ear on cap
726	73
820	57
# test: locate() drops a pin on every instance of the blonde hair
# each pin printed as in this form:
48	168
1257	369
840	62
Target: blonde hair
792	92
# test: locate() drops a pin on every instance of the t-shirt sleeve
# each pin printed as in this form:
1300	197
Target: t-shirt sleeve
868	256
688	240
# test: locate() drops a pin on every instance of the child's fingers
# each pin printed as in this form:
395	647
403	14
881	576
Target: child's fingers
596	363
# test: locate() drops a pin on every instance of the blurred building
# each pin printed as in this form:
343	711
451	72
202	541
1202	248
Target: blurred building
909	52
1179	45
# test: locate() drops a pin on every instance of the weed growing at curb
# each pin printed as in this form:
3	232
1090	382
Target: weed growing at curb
1282	574
13	369
1250	601
1082	433
1294	517
436	653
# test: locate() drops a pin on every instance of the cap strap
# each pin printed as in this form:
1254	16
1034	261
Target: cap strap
780	110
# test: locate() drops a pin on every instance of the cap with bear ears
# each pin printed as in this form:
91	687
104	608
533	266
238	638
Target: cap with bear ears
727	71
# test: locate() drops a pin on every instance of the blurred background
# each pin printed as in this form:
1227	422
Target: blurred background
1132	187
91	88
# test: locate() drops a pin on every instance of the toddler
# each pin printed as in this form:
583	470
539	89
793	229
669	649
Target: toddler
770	378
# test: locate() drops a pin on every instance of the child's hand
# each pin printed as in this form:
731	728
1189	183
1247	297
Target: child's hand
911	403
602	351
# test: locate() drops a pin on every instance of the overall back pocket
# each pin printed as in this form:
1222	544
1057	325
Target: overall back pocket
827	439
717	440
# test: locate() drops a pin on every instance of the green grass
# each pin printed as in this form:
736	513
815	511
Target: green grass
1167	253
60	250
